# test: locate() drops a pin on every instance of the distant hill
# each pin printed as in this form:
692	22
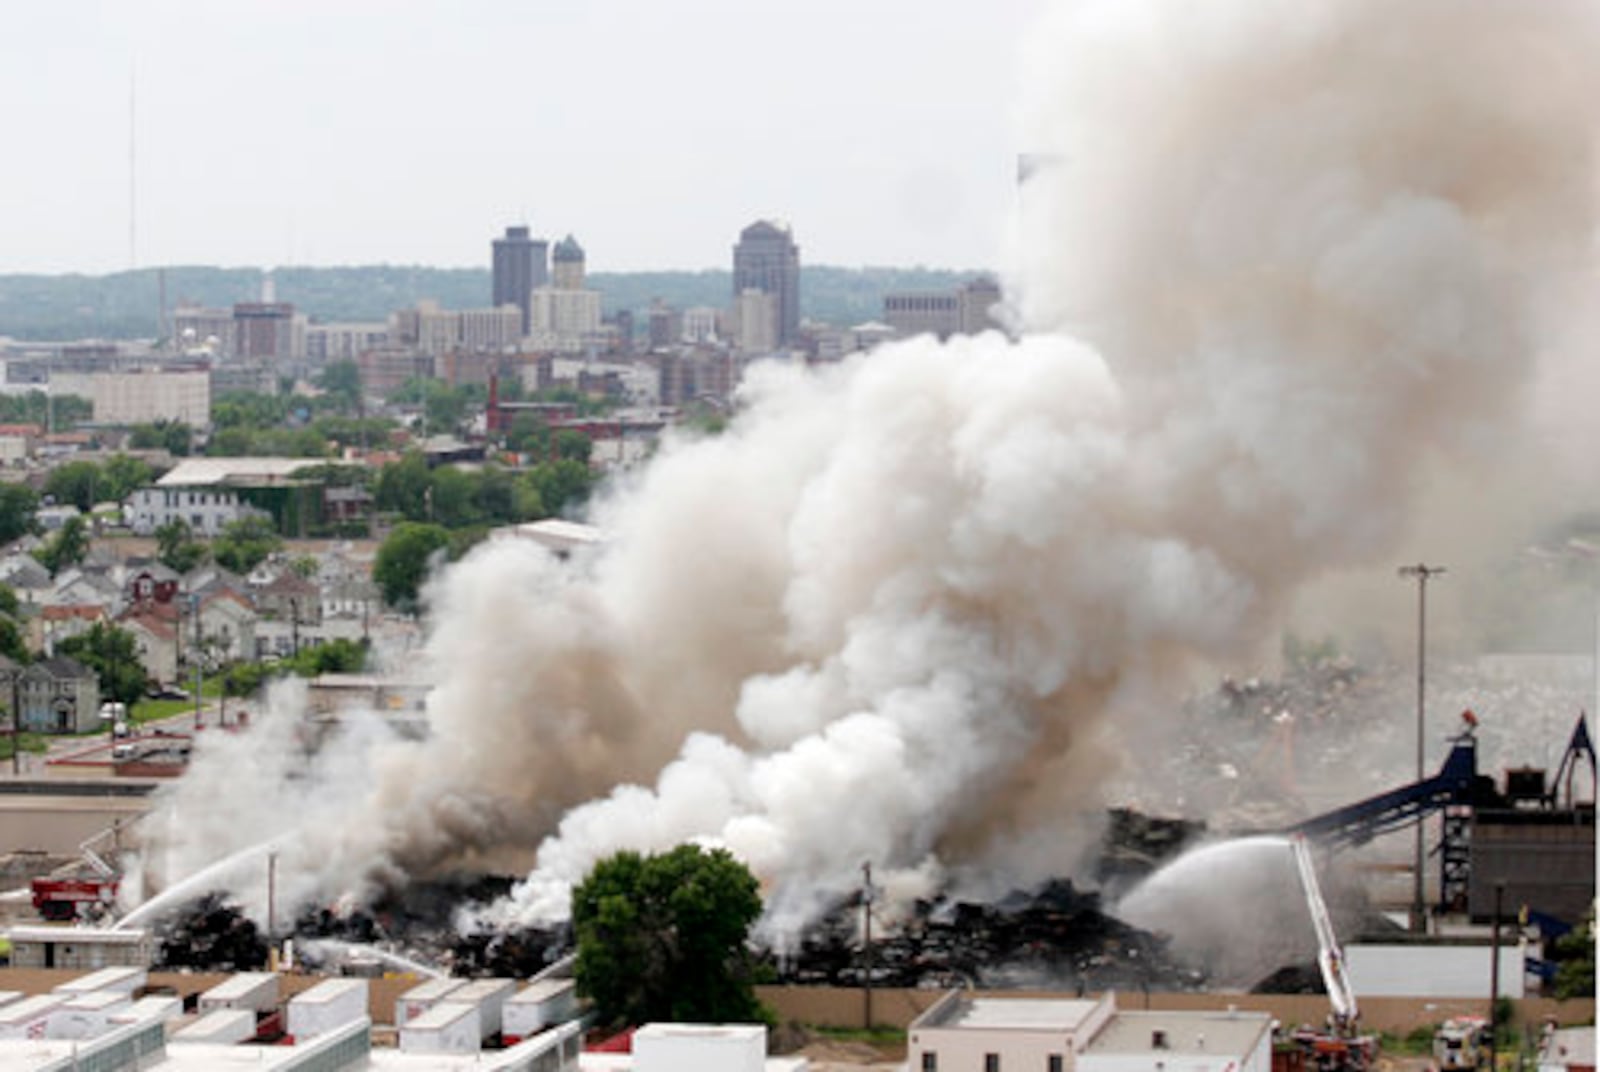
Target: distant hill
125	305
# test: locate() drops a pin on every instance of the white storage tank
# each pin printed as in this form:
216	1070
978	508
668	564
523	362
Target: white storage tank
84	1016
700	1048
542	1003
328	1005
448	1027
422	997
256	991
489	995
227	1027
30	1017
126	980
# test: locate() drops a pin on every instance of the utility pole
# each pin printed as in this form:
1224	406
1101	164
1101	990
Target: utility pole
16	721
866	944
199	669
1494	969
1422	573
272	875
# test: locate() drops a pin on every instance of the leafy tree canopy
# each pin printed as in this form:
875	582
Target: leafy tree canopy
172	436
18	504
66	548
245	544
177	548
113	655
403	561
662	938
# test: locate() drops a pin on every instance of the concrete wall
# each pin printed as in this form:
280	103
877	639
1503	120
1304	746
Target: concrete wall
842	1007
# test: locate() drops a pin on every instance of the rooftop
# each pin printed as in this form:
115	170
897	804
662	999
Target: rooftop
1026	1014
210	472
1233	1034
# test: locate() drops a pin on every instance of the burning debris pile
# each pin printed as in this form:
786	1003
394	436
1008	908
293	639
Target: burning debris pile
1055	936
211	935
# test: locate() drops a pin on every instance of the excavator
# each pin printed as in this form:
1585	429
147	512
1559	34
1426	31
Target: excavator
1338	1047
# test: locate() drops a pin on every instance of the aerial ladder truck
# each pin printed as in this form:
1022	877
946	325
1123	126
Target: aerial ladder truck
1338	1048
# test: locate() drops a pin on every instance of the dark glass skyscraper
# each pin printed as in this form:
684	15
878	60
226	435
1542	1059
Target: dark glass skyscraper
520	264
766	259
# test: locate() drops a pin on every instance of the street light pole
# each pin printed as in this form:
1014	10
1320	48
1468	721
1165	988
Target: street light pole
1422	573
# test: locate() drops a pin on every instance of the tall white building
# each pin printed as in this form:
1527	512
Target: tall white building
142	396
564	320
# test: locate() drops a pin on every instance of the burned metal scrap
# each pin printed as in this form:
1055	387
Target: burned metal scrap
1055	936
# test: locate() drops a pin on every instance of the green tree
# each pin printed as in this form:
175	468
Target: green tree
403	561
342	382
574	445
66	548
1575	956
245	544
403	487
18	504
74	483
12	644
662	938
114	657
121	476
454	496
176	547
174	437
562	484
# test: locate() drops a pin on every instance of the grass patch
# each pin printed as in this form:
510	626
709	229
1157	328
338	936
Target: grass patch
36	743
875	1036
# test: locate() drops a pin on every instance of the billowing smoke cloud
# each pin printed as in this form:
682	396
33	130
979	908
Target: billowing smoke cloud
907	608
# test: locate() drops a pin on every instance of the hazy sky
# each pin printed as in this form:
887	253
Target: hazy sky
360	131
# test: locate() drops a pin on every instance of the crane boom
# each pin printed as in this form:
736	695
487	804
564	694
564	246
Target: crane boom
1330	958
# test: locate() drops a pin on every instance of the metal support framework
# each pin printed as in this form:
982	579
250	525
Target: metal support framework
1455	859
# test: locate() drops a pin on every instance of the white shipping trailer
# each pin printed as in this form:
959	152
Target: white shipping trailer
542	1003
448	1027
225	1026
255	991
422	997
126	980
489	995
330	1004
85	1016
30	1017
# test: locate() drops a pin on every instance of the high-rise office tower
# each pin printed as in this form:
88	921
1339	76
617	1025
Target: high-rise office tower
520	264
566	264
766	259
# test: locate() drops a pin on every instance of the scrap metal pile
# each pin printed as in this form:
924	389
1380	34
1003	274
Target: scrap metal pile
1055	937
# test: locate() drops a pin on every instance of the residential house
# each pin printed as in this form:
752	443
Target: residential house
228	626
149	581
289	597
154	627
26	577
79	586
56	695
207	580
62	622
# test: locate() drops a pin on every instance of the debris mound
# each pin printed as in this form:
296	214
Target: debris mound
211	935
1055	936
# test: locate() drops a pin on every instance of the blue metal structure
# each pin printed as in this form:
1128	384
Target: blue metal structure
1457	783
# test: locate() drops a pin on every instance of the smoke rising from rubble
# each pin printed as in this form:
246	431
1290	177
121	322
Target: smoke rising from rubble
909	609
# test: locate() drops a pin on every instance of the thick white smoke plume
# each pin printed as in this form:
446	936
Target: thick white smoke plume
1272	260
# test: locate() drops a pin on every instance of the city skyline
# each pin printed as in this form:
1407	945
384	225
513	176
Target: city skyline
165	132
